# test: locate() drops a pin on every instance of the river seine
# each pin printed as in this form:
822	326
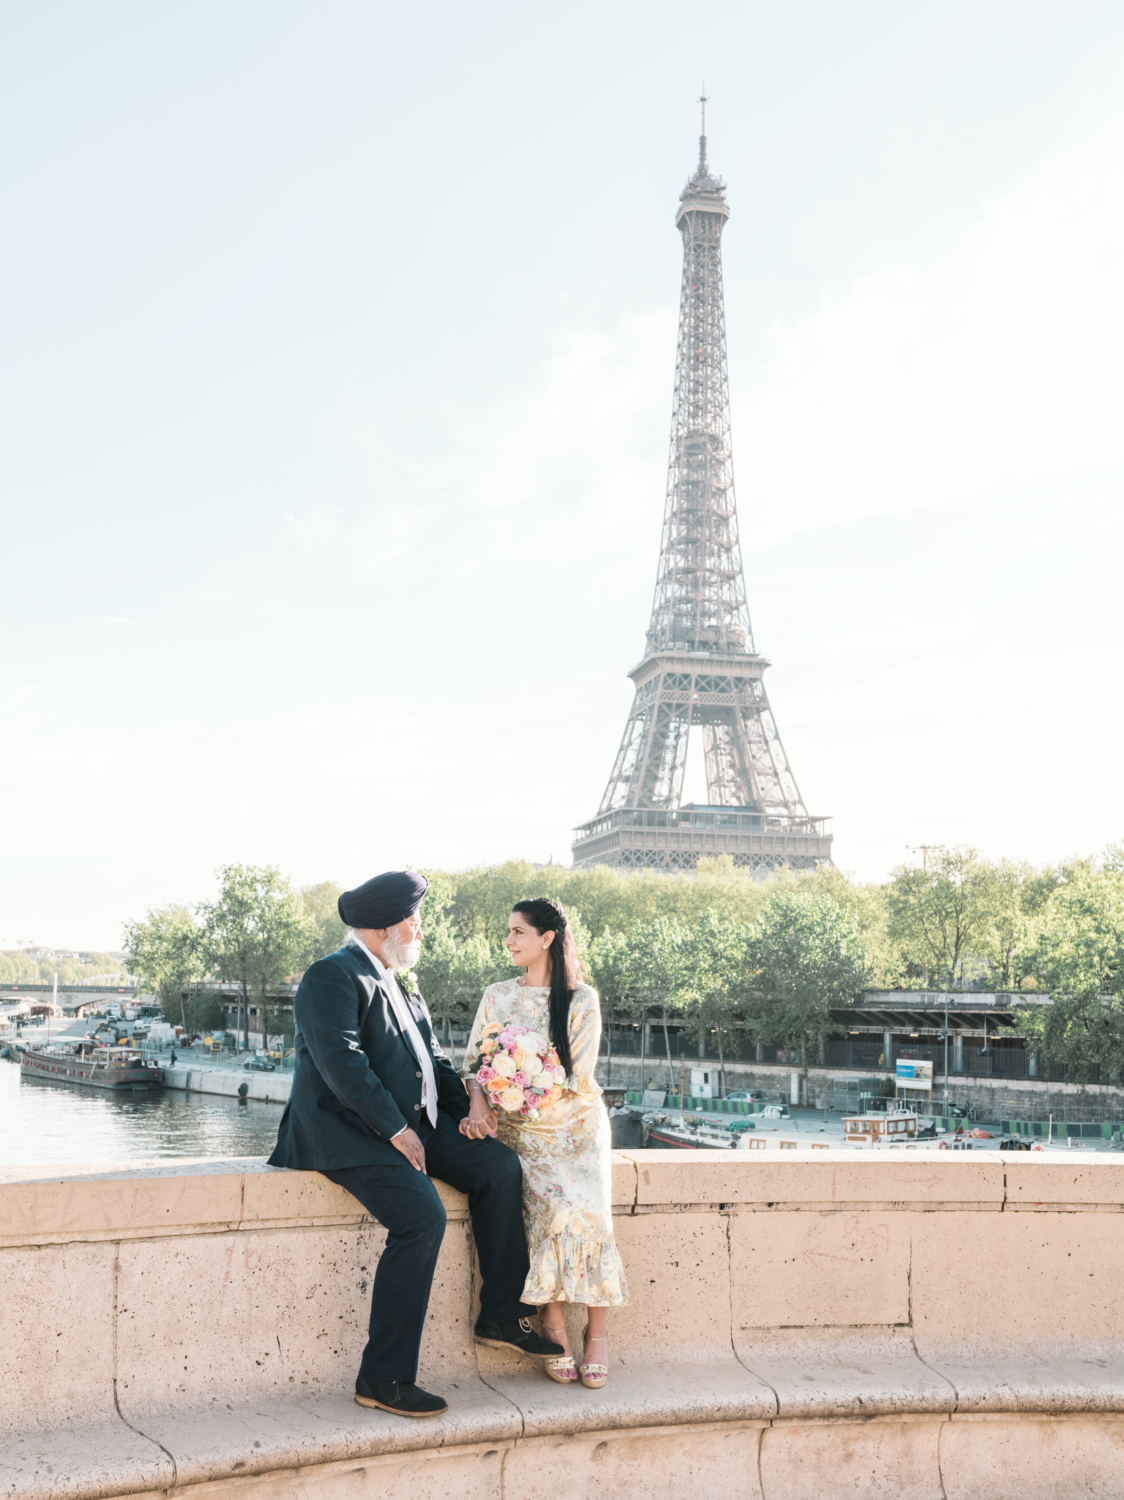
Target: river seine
58	1124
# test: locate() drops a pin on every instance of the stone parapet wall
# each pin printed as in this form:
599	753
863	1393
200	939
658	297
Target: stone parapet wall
802	1328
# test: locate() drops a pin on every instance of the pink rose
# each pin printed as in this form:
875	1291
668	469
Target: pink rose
522	1080
485	1074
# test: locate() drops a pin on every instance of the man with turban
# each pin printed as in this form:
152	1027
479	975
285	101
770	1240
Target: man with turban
375	1106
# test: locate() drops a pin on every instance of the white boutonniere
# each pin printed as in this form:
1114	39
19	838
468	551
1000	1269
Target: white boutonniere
409	981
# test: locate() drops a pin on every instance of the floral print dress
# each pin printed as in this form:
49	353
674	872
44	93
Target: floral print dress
567	1171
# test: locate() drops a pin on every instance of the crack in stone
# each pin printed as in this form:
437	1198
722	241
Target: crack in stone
116	1402
918	1356
733	1344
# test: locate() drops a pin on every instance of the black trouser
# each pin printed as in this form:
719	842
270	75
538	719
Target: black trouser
408	1206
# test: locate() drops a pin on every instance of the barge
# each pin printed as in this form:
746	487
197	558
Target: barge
95	1066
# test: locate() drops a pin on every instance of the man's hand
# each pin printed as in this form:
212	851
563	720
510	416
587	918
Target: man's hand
411	1148
480	1122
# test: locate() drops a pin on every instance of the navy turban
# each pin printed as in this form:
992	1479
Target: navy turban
384	901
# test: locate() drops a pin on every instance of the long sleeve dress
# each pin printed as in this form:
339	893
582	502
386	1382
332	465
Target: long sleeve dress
567	1171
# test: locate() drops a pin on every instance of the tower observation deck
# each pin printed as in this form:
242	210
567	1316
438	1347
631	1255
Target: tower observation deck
701	671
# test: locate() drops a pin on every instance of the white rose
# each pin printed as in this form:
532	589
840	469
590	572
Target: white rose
533	1043
511	1098
542	1081
504	1066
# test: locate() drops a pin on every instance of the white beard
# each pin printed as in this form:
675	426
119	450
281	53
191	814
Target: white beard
400	955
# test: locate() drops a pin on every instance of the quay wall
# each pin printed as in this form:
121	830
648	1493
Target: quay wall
806	1327
992	1098
268	1088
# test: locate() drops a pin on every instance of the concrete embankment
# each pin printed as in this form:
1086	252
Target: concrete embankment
802	1327
235	1083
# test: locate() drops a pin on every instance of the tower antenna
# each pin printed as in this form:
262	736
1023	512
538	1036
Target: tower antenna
702	133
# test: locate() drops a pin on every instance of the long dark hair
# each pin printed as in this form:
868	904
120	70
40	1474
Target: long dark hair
546	915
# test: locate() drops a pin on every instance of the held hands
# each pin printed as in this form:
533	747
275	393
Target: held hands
480	1122
411	1148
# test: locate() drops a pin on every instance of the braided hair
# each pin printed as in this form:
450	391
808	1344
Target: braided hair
545	915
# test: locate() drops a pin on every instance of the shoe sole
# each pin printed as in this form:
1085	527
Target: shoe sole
396	1411
503	1344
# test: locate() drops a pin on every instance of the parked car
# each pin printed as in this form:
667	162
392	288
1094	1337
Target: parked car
747	1095
259	1065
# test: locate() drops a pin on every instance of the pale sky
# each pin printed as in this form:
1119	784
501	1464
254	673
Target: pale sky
336	361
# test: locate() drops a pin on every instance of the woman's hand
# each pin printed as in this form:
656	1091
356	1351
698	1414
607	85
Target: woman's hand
480	1122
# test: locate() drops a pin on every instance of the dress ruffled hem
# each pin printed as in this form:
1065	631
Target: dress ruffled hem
568	1268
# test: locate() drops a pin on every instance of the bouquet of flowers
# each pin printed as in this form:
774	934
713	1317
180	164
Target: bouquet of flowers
519	1070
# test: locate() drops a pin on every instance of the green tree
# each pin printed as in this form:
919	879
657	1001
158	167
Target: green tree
454	969
1015	896
166	954
804	957
323	924
608	959
654	973
1080	956
19	969
712	986
934	912
253	934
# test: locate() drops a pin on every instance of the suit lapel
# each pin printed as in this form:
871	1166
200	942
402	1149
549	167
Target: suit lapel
391	991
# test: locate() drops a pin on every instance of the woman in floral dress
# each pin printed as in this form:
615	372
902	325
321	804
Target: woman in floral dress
567	1174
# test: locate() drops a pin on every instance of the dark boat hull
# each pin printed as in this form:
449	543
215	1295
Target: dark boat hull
59	1068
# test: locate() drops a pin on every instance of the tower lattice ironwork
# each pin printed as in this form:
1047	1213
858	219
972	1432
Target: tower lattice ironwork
701	671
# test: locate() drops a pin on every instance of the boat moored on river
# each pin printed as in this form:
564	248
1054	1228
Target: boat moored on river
96	1066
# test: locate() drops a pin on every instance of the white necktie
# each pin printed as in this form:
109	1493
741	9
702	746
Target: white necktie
421	1051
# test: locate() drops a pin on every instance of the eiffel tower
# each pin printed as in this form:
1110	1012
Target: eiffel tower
701	670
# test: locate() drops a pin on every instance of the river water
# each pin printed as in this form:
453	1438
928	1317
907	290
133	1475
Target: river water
56	1124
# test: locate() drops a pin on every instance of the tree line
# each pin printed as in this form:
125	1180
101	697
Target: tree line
258	932
17	967
726	958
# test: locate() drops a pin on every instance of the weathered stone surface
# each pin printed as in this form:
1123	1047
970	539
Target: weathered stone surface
657	1464
56	1367
76	1462
678	1270
844	1372
624	1182
237	1441
660	1393
1017	1284
841	1268
1081	1458
816	1178
108	1204
1044	1182
869	1460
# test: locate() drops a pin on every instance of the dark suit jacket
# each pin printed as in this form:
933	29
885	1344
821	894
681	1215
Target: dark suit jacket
356	1081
